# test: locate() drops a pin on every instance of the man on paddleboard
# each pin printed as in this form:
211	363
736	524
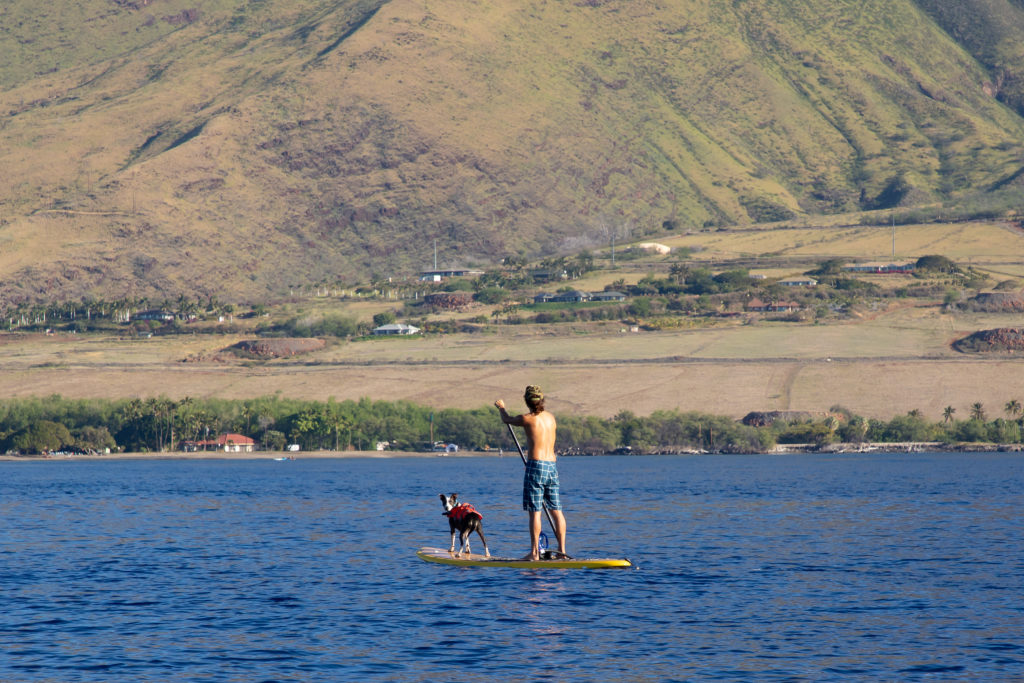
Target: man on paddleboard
540	484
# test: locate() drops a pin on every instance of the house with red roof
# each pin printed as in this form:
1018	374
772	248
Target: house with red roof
229	443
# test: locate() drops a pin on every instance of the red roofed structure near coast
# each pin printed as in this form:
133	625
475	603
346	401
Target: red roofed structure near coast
229	443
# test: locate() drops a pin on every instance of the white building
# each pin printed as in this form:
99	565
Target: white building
396	328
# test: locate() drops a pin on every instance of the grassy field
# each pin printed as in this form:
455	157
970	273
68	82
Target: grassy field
979	243
885	361
898	361
869	386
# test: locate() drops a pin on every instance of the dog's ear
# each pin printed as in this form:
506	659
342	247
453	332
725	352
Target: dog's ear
455	497
441	496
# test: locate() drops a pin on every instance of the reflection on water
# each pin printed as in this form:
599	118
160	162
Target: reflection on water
875	567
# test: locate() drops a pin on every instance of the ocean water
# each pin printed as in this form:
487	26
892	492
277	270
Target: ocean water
802	568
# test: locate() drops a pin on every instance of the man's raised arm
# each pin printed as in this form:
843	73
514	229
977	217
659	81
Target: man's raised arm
516	420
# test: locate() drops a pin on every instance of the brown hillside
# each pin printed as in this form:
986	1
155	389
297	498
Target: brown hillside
236	148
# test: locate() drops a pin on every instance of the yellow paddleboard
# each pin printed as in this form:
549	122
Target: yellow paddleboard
472	560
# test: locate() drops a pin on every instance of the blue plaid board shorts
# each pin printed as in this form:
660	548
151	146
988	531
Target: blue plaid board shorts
540	486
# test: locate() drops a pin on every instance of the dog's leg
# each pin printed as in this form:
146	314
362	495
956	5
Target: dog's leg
480	531
464	538
452	549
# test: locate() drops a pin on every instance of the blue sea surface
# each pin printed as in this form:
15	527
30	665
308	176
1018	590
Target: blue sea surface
796	568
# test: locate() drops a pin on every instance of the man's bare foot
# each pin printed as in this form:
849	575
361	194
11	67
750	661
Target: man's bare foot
531	557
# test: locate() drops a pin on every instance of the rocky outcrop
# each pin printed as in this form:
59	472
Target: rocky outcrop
277	348
1000	340
997	302
448	301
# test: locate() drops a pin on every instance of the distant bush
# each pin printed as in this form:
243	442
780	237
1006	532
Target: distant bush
936	263
491	295
458	285
763	210
96	439
39	437
328	325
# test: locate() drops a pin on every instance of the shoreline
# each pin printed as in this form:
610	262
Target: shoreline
781	449
254	455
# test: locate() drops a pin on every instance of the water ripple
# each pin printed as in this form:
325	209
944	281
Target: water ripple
808	568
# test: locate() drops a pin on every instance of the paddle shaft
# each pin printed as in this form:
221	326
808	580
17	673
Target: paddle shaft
523	456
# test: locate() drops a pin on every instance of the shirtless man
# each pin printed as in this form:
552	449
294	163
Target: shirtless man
540	484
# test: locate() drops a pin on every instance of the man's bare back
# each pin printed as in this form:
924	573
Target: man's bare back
540	431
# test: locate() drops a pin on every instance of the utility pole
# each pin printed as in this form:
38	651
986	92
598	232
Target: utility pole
894	237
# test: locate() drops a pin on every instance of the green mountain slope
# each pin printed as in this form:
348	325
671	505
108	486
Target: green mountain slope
237	147
993	32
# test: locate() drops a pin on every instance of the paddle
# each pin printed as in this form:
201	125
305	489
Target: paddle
523	456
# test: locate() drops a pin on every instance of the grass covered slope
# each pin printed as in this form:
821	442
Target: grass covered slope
158	146
993	32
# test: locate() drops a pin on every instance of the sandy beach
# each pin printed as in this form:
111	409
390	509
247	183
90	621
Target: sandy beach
258	455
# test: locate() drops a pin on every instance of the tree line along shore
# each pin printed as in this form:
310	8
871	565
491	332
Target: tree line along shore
54	424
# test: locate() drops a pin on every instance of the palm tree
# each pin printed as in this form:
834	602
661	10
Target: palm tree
860	427
1013	408
947	414
978	412
307	424
246	415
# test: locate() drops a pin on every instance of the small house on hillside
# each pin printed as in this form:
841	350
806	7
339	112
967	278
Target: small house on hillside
756	305
760	306
880	267
549	275
574	296
607	296
438	275
156	314
396	329
577	296
799	282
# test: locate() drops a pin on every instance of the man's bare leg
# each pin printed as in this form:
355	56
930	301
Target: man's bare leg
559	520
534	536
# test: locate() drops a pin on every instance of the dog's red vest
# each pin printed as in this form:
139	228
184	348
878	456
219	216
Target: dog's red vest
461	510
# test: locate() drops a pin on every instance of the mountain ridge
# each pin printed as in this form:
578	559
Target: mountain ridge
238	148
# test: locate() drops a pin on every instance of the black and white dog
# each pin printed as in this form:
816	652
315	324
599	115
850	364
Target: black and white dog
463	519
